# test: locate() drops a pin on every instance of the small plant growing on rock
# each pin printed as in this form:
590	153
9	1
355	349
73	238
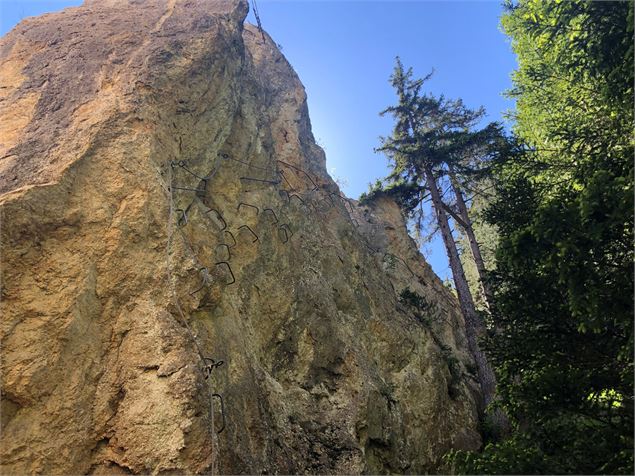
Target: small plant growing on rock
418	304
421	309
413	299
391	261
455	370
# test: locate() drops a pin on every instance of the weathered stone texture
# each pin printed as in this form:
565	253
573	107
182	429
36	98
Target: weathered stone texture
110	296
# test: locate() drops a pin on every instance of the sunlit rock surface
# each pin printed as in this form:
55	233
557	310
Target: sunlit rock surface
163	200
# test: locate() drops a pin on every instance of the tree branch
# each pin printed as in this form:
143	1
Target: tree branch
454	215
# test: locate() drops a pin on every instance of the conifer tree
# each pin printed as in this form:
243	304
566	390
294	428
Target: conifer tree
429	135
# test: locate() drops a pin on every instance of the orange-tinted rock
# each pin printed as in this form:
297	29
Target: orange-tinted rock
152	154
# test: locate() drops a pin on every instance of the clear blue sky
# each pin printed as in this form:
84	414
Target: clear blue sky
344	52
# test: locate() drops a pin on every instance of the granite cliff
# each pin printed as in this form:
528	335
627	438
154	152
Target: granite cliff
165	207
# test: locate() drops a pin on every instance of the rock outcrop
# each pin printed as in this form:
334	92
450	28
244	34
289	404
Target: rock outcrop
164	204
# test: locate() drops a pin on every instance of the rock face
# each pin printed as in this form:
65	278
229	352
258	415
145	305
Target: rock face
164	202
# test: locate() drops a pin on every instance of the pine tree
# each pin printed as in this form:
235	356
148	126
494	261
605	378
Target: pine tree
429	135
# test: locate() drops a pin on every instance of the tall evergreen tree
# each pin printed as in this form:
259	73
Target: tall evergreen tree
429	135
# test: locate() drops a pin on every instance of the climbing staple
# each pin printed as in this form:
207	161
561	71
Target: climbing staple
229	255
229	268
218	216
232	237
273	213
285	226
251	231
286	236
243	204
222	410
298	197
324	209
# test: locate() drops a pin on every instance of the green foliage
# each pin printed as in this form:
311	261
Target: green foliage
418	304
560	450
406	194
432	132
564	276
518	455
454	367
422	310
413	299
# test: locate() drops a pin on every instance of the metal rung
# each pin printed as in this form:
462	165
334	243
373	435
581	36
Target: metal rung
229	255
251	231
232	237
273	213
222	410
219	216
229	268
243	204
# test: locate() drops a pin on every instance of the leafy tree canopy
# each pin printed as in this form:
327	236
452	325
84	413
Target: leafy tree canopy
564	213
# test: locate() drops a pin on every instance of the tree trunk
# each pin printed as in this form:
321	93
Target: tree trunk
474	326
466	224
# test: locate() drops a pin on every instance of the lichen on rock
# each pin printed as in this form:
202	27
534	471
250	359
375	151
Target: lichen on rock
163	200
